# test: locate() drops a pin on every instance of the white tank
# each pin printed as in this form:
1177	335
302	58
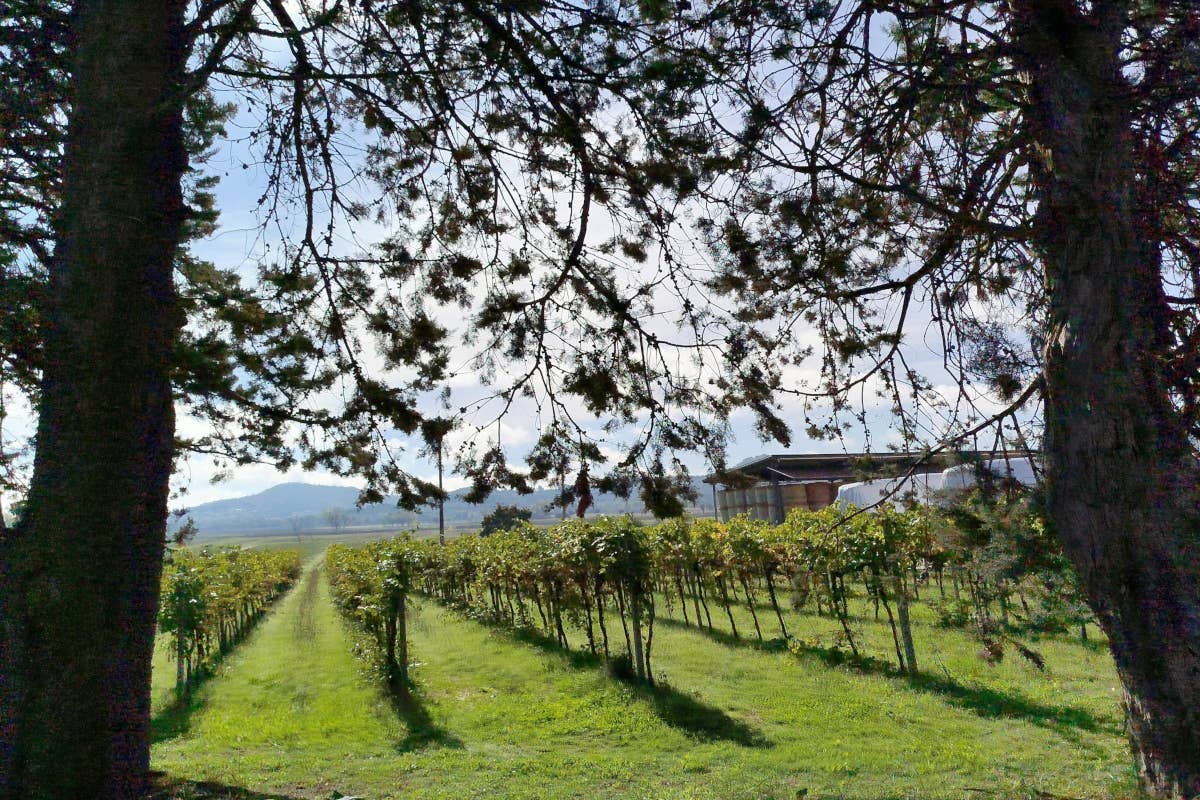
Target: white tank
866	494
1019	469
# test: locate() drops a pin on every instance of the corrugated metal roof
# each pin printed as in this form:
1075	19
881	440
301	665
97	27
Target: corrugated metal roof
801	466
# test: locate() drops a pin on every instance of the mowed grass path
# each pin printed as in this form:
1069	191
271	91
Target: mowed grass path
290	714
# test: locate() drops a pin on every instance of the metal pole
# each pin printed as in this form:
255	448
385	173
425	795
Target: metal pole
441	499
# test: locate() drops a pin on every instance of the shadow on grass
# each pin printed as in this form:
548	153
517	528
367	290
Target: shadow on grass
685	712
979	700
681	710
409	705
166	788
968	792
823	796
986	702
176	719
725	637
1095	643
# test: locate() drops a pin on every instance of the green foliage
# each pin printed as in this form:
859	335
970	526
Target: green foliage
430	115
1001	544
596	573
504	518
211	598
372	585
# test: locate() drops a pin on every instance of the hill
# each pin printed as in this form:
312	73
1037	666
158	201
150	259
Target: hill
290	507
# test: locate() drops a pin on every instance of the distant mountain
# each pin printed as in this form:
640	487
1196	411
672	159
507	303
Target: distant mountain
291	507
272	508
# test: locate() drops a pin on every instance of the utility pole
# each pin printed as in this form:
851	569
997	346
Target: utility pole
441	498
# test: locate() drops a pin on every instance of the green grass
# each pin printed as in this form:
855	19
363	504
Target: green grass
310	547
499	715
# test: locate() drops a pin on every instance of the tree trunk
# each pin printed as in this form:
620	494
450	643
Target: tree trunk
556	609
1121	472
750	605
725	602
775	604
910	650
441	499
181	675
881	593
389	646
402	643
651	614
698	598
635	609
587	607
682	599
600	616
80	575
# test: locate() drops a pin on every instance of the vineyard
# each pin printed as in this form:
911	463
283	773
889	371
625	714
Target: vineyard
507	666
991	570
211	599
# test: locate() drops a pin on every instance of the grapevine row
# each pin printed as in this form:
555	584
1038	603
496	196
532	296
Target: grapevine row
211	598
609	576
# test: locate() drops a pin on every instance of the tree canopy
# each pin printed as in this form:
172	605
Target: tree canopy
504	518
1013	186
513	157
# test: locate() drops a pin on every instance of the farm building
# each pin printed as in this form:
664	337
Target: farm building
767	487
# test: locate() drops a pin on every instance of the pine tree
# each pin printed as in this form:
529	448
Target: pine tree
1012	183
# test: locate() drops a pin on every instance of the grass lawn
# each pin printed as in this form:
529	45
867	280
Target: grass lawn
291	715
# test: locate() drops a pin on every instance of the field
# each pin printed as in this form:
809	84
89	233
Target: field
292	714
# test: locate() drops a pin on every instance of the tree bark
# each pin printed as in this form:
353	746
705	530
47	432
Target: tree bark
1121	472
635	612
441	499
389	645
881	593
910	650
181	671
775	604
80	576
402	642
